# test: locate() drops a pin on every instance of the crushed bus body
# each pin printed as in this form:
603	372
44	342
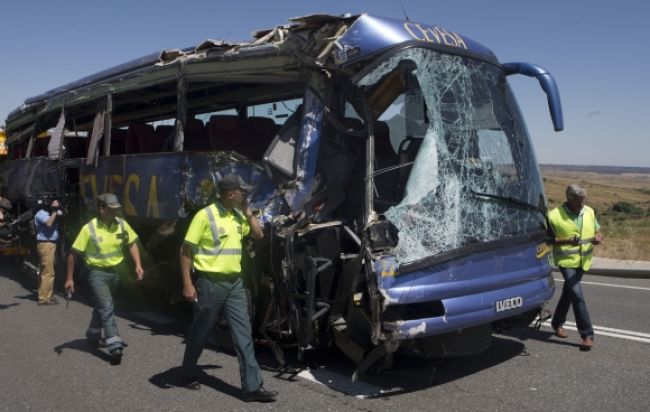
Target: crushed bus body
392	172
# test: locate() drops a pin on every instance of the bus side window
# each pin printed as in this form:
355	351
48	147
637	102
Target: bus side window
260	132
225	133
75	146
159	140
118	141
137	132
196	136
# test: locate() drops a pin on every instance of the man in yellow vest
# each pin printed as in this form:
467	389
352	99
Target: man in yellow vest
213	247
102	242
576	233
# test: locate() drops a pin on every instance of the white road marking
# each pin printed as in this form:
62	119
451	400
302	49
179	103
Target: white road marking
615	333
622	331
611	285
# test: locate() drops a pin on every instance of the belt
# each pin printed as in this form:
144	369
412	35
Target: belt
101	268
218	277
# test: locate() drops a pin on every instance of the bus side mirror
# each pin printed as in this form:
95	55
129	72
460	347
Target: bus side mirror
548	84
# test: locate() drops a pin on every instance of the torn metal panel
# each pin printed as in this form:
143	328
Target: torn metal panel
307	151
293	43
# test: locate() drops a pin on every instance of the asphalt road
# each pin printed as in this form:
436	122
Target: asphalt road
46	365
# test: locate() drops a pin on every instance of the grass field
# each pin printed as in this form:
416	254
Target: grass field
627	231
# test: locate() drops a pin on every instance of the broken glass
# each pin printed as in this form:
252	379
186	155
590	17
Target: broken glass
456	130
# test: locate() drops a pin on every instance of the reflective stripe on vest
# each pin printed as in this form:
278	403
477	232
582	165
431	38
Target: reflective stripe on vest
95	238
568	255
217	249
570	252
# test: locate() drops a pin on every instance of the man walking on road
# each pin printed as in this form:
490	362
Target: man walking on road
102	242
576	233
213	246
46	226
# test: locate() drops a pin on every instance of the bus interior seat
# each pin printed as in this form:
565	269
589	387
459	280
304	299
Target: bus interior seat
260	132
75	146
196	136
384	152
118	141
39	148
157	141
225	133
351	123
135	134
18	150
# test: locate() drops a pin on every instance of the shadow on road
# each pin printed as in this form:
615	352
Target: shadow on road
83	346
523	334
3	306
408	374
31	297
173	378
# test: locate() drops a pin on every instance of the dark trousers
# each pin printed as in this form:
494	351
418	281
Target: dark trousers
214	295
572	295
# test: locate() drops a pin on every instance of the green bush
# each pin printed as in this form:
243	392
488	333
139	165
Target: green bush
625	207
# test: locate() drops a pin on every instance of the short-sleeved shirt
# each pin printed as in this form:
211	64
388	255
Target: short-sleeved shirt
230	227
105	248
44	233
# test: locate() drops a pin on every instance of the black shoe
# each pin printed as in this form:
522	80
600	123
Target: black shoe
116	356
260	395
191	383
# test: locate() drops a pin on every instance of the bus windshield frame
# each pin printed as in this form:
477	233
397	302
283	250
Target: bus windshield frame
455	129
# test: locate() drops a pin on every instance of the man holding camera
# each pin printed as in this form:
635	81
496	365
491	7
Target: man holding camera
46	226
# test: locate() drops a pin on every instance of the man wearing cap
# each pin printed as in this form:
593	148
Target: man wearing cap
102	242
213	247
46	227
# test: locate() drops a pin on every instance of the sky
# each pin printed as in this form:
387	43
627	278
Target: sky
597	51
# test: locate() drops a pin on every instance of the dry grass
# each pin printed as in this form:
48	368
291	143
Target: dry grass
626	236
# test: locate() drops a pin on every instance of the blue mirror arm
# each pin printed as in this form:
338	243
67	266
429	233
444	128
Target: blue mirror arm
548	84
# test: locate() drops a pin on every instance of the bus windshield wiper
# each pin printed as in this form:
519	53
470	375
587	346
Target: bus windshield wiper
518	202
509	199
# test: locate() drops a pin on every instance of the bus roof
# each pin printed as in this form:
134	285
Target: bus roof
319	39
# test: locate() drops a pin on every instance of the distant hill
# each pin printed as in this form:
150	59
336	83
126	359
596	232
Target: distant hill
606	170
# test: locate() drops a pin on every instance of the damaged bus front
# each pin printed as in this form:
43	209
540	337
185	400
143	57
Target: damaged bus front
393	174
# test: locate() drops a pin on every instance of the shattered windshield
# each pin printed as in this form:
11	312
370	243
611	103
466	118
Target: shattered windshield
447	127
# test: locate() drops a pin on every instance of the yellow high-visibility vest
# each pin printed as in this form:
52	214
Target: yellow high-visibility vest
216	238
572	256
103	245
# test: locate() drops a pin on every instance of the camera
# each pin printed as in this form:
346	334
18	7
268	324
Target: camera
44	201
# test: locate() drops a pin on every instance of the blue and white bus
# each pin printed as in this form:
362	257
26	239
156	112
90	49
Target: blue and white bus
392	171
